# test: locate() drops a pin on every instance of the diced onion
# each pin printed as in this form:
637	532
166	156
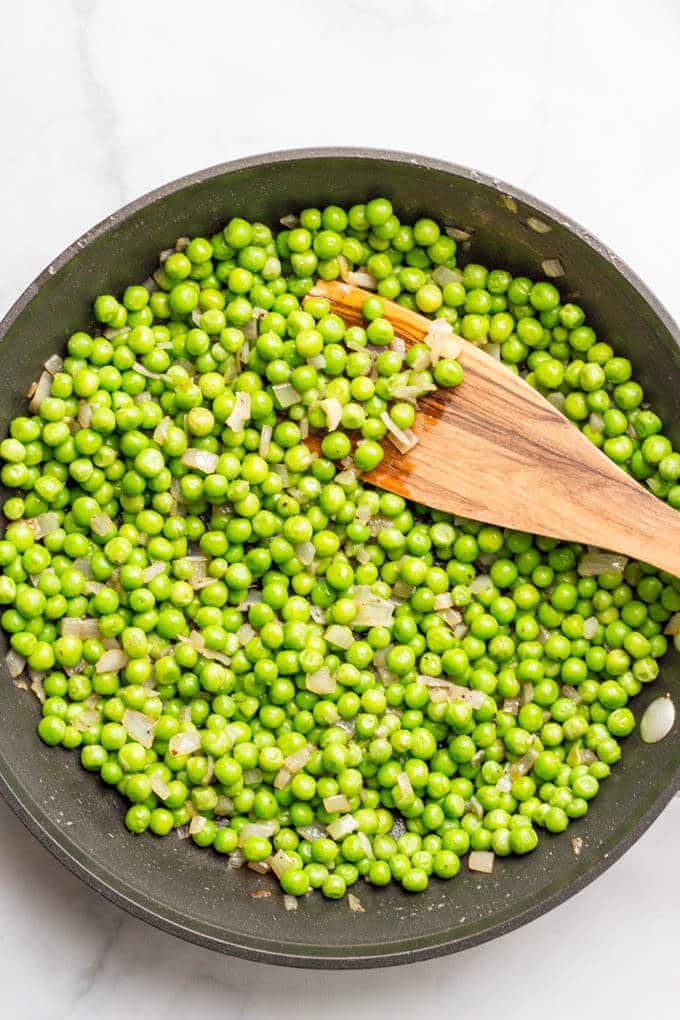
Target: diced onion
360	278
557	400
590	627
245	633
672	627
265	440
494	351
286	395
524	765
161	431
153	570
197	824
37	685
443	275
337	802
451	616
342	827
313	831
538	226
236	860
442	601
146	372
88	717
224	806
355	904
399	345
448	691
290	221
39	391
480	583
185	742
658	719
599	562
159	786
80	626
332	408
15	663
282	778
527	693
43	524
567	691
54	364
403	439
372	610
552	268
252	777
457	233
137	725
404	784
241	413
482	861
263	830
321	681
112	661
200	460
339	636
282	862
289	902
305	552
596	422
511	706
296	762
101	524
442	341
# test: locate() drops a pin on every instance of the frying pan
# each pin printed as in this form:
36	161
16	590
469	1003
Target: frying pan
190	892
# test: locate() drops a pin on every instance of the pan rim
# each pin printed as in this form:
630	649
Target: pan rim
309	956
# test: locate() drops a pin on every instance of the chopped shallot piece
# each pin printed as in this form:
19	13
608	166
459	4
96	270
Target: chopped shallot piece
481	860
200	460
403	439
332	408
112	661
338	802
101	524
321	681
241	413
80	626
139	726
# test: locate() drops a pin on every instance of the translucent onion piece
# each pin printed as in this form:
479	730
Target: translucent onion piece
338	802
200	460
355	904
161	431
88	717
443	275
112	661
138	726
372	610
401	590
577	845
236	860
15	663
321	681
567	691
260	868
527	694
511	706
339	636
39	391
197	824
451	616
159	786
524	765
672	627
153	570
286	395
342	827
101	524
84	416
658	719
538	226
296	762
552	268
290	221
421	360
282	778
504	783
598	562
184	743
305	552
348	476
591	627
404	784
281	862
37	685
224	806
366	844
146	372
182	831
442	601
54	364
482	861
289	902
443	342
557	400
80	626
457	233
482	582
494	351
362	279
313	831
252	777
265	440
453	692
475	806
596	422
332	408
241	413
245	633
263	830
43	524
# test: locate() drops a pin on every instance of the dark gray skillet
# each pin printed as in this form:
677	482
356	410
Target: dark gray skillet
190	892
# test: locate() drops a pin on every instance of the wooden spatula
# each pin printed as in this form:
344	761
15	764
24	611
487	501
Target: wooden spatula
495	450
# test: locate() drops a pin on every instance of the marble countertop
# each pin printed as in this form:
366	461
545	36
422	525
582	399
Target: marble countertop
575	102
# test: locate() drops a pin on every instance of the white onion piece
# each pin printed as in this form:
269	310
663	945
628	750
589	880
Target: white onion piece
366	844
404	784
54	364
185	742
673	625
332	408
101	524
538	226
290	221
482	861
453	692
138	726
577	845
197	824
443	342
342	827
442	601
263	830
318	362
457	233
161	431
443	275
153	570
146	372
159	786
403	439
504	783
252	598
260	868
527	693
224	806
452	617
282	778
460	631
360	278
511	706
337	802
289	902
348	476
658	719
524	765
557	400
567	691
339	636
598	562
112	661
236	860
252	777
321	681
494	351
313	831
43	524
39	391
421	360
200	460
372	610
355	904
590	627
480	583
401	590
286	395
305	552
596	422
15	663
245	633
79	626
84	417
241	413
265	440
282	862
37	685
296	762
552	268
88	717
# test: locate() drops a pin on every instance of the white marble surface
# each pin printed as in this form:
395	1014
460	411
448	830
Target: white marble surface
577	102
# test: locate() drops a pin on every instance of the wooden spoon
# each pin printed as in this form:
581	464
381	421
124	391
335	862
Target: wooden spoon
495	450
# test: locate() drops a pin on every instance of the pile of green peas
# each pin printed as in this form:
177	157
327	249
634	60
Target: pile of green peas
424	781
